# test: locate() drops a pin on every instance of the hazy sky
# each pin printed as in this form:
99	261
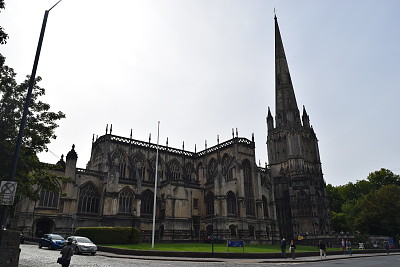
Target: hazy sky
203	67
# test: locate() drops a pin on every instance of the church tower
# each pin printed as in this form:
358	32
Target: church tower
294	161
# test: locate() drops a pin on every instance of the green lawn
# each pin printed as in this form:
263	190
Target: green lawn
203	247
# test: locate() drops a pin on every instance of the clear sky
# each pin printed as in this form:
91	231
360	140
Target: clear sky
203	67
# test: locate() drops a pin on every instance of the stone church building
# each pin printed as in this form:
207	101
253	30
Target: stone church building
218	191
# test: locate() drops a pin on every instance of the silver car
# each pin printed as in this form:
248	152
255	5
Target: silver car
83	245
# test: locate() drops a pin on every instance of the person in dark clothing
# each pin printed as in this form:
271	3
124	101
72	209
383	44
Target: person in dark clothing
67	252
292	249
386	246
283	248
322	249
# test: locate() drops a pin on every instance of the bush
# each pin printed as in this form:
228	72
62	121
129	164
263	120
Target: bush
110	235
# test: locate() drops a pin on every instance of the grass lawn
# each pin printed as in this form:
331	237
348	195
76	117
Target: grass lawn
204	247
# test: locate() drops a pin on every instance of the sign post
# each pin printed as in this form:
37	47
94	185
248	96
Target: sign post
7	192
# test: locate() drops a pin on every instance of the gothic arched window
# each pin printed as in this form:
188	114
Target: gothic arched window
120	160
48	199
125	200
160	169
265	207
138	170
212	170
209	201
147	201
89	199
231	202
175	170
248	187
226	167
190	173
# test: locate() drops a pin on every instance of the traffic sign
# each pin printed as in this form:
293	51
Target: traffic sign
7	192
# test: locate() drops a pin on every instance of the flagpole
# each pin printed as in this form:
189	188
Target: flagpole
155	190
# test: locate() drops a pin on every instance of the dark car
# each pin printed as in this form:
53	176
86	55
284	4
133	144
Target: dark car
83	245
52	241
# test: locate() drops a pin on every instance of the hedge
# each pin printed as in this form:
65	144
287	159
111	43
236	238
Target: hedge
110	235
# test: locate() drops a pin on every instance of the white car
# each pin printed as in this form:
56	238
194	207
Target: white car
83	245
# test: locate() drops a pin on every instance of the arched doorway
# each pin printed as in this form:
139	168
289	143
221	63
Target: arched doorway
44	226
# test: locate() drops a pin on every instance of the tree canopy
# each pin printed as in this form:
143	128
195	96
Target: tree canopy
370	206
38	132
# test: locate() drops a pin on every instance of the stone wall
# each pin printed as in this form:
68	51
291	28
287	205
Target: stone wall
9	248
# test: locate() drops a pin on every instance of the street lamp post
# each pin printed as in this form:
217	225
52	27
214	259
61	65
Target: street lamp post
25	113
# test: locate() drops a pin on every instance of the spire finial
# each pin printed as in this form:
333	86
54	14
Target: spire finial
130	136
111	129
195	148
233	133
149	137
205	144
107	128
274	13
183	145
218	139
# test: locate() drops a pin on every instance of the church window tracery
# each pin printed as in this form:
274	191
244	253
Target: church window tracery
231	203
147	200
89	199
212	170
125	200
48	199
248	187
226	167
175	170
209	201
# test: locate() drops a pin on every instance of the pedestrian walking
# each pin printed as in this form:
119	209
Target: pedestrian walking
348	247
322	249
292	249
67	252
343	244
283	248
386	246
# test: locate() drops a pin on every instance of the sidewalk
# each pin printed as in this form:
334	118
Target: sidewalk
216	260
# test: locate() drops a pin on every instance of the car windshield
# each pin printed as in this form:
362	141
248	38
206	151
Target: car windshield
57	237
83	240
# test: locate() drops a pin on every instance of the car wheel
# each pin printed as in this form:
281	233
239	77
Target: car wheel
92	253
40	245
76	250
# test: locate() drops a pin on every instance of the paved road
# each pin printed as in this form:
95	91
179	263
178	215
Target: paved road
32	256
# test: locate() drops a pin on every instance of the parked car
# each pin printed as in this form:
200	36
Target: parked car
83	244
52	241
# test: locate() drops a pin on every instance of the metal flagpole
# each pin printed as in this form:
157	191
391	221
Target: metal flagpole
155	190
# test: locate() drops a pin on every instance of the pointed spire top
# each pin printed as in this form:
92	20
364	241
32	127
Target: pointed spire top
183	145
233	133
130	136
286	110
107	129
205	144
195	148
149	137
304	111
111	129
218	139
237	133
167	142
93	139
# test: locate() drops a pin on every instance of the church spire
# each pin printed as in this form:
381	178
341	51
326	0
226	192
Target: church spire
287	111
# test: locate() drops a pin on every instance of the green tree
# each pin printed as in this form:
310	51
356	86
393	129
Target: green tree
378	213
381	178
39	131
